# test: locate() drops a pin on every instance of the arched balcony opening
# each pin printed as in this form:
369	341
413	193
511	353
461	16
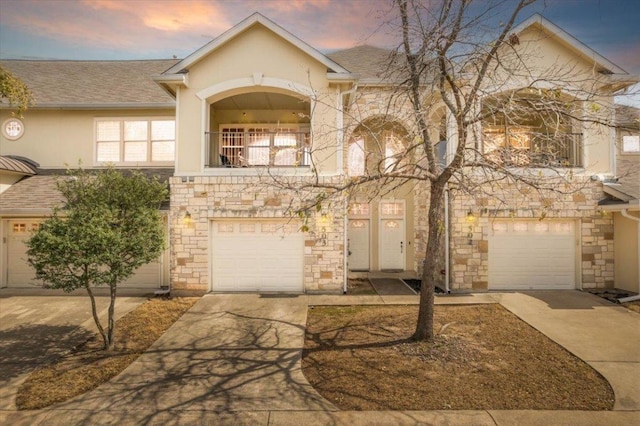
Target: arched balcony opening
532	127
259	129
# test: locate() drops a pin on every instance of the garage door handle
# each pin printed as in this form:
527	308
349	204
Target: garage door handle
401	246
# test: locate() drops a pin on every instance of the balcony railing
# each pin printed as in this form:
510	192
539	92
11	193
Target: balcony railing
534	149
257	149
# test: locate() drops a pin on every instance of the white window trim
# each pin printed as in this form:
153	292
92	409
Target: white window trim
623	151
122	163
272	128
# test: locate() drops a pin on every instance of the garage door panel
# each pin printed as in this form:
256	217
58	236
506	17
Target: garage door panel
21	274
256	256
532	255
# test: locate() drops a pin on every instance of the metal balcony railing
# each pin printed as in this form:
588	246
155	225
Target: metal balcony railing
534	149
257	149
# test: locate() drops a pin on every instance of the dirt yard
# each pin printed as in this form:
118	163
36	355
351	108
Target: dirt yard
361	358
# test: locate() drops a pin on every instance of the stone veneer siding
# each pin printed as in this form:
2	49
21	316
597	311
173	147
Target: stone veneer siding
240	197
469	266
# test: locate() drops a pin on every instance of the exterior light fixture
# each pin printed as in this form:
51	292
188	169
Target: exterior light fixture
187	218
470	219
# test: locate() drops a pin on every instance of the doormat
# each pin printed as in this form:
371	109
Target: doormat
391	287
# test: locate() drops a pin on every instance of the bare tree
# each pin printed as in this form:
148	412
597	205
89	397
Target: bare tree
455	77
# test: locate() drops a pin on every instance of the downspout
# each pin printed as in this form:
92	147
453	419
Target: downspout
345	220
446	238
345	249
625	213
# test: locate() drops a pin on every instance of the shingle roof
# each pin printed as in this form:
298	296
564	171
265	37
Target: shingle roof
35	194
93	83
628	117
39	194
369	62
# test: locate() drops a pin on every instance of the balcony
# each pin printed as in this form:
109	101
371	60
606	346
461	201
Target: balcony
257	148
527	148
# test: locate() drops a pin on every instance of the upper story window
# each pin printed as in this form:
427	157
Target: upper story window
252	145
393	149
135	140
530	129
631	144
376	149
356	157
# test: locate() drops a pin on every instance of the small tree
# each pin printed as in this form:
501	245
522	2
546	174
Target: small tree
15	91
109	226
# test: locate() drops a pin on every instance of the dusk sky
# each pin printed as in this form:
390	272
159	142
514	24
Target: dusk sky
133	29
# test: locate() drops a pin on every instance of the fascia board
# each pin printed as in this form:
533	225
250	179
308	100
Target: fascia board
573	42
631	205
164	105
342	77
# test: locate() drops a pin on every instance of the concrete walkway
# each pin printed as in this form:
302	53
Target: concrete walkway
37	326
605	335
235	359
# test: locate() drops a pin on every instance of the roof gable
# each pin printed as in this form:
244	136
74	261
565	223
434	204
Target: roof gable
255	19
575	44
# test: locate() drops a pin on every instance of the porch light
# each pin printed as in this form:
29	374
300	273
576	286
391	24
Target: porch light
470	217
187	218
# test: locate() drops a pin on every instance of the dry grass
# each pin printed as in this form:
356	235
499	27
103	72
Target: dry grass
633	306
360	286
361	358
87	366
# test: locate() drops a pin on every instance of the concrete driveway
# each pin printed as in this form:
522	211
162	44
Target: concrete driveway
39	325
235	359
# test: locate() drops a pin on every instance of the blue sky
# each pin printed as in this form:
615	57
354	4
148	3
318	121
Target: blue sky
145	29
127	29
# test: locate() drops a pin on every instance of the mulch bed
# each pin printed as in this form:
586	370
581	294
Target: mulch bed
362	358
88	366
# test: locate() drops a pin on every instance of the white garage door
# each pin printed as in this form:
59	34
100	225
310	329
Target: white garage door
21	274
256	256
526	255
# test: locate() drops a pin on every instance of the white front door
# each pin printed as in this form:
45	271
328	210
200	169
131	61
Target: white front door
392	242
358	244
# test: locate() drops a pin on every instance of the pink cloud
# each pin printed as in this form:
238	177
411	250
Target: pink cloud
169	15
120	25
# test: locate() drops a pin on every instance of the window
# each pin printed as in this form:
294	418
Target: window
267	145
135	140
392	208
631	144
530	129
356	158
13	129
393	148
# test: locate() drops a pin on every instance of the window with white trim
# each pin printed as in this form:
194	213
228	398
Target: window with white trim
393	148
631	144
356	157
250	145
135	140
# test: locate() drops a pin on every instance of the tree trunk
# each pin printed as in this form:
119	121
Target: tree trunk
96	319
424	326
112	304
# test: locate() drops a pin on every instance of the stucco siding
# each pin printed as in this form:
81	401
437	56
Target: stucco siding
63	138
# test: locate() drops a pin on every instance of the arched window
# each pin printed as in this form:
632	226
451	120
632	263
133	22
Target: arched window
356	157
